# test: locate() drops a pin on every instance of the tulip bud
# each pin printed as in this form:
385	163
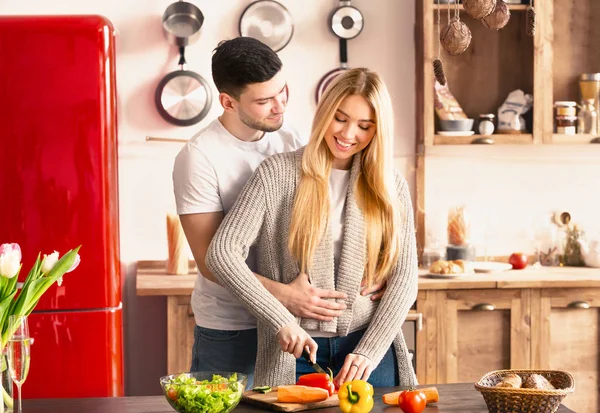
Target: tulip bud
75	264
10	259
49	262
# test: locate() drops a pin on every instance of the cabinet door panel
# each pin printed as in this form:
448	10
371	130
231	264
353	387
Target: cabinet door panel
476	331
180	334
483	343
567	326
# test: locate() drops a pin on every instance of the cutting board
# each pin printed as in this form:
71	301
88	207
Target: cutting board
269	401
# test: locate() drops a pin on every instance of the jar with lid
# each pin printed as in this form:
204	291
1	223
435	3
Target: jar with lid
587	120
566	125
566	117
486	124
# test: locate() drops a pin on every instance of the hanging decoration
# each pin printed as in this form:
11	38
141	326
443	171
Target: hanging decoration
498	18
530	18
456	36
478	9
438	67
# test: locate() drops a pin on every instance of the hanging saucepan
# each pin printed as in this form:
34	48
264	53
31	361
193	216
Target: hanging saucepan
181	23
346	22
182	97
268	21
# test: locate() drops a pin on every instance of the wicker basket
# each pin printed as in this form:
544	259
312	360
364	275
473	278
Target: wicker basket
508	400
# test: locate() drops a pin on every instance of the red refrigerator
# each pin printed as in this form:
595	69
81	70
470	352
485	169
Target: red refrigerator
59	189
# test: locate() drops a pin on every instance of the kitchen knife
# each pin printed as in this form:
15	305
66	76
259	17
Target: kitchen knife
315	366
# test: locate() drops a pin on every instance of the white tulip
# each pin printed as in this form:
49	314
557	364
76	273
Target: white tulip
10	260
49	262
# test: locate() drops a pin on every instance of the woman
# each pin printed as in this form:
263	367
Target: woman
337	211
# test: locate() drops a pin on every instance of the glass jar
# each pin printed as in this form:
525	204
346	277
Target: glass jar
486	124
587	120
566	124
589	87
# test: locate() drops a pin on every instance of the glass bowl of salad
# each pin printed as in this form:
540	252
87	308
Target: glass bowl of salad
204	392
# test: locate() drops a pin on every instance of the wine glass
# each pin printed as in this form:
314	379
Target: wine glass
19	353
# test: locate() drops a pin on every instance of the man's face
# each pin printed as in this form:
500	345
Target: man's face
261	105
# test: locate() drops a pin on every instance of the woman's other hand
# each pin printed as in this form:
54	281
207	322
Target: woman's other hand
356	367
293	339
376	289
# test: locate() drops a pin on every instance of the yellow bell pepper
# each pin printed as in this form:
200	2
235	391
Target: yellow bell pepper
356	396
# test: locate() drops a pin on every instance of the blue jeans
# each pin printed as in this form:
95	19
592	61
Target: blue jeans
225	350
333	351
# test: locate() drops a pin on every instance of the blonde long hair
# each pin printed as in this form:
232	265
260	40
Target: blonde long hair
375	187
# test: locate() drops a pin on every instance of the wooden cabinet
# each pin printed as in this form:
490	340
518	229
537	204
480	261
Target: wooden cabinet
567	327
180	333
470	332
467	333
531	319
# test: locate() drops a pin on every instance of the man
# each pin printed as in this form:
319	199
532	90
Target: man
208	175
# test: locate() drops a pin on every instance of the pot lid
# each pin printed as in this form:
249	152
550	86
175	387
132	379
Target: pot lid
268	21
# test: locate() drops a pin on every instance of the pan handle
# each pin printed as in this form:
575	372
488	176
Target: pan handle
343	53
181	56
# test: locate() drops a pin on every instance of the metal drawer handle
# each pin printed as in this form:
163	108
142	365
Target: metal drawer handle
417	318
483	307
579	304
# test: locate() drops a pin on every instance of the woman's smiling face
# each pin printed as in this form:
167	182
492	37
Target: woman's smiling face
351	130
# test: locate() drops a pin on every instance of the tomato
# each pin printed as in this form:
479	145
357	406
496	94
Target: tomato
412	401
518	260
172	394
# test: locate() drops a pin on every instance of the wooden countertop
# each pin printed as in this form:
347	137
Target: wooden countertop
151	279
460	397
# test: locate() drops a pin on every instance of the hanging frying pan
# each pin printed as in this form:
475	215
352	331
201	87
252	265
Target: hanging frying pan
332	74
182	97
346	22
268	21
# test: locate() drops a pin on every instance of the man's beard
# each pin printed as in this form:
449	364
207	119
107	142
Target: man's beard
259	125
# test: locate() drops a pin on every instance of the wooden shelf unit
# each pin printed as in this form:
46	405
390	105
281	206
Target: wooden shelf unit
578	139
511	7
497	62
499	138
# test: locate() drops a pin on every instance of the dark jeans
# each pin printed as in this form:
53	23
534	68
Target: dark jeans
224	350
333	351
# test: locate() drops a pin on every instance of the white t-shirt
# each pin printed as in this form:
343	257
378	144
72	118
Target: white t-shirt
338	188
208	176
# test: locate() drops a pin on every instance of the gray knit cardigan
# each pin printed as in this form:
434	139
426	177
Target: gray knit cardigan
261	217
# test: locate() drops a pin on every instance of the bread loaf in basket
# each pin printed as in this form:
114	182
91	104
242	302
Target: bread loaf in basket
541	391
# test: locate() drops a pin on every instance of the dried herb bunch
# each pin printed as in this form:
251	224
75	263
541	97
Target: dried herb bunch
572	255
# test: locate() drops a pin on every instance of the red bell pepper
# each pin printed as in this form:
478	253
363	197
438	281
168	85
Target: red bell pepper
320	380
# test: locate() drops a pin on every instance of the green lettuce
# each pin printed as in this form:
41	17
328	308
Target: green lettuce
218	395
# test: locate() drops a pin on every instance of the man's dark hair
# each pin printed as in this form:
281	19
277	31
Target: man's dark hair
239	62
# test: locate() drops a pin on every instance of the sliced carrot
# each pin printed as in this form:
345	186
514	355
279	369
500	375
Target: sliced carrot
431	393
391	399
300	394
